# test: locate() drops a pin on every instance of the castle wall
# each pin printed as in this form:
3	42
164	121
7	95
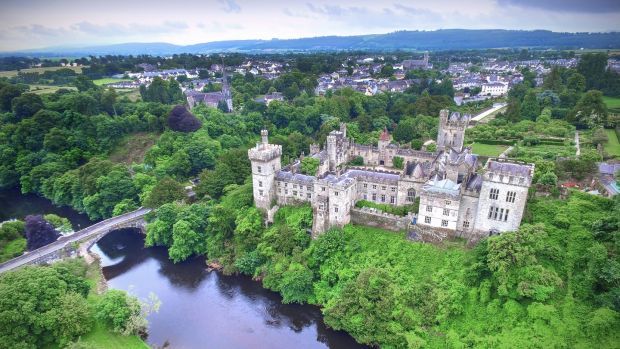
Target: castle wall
498	220
468	211
439	211
374	218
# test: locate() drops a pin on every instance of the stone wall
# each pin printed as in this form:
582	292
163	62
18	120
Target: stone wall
375	218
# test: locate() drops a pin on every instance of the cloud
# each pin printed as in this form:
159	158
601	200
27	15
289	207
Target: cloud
230	6
580	6
115	29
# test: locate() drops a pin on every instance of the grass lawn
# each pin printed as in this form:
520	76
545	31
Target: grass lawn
133	147
11	73
612	147
105	81
490	150
613	104
132	93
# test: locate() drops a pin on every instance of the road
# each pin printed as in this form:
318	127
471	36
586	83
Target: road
63	241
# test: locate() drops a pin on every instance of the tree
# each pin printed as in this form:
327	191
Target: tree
186	241
108	99
590	110
530	109
398	162
548	178
166	190
43	306
116	309
26	105
39	232
180	119
7	93
296	284
309	166
592	67
84	83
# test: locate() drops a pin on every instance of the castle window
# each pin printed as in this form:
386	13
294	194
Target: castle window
392	199
365	185
493	211
411	195
510	179
259	169
320	207
448	202
429	208
494	194
374	197
365	197
444	223
286	191
260	183
446	212
309	187
383	187
335	209
521	180
323	188
501	178
506	216
286	184
510	196
382	198
466	224
336	193
393	189
427	220
294	186
490	175
260	192
309	195
501	214
374	186
294	192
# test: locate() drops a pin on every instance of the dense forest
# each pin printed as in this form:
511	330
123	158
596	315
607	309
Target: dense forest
553	283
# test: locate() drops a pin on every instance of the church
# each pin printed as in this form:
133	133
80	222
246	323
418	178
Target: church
458	196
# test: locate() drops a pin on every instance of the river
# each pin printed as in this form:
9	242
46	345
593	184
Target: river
199	309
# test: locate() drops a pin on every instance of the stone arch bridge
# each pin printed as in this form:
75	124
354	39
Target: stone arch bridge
66	245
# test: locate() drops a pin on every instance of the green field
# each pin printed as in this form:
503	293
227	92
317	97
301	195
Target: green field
612	102
490	150
612	147
11	73
132	148
105	81
44	89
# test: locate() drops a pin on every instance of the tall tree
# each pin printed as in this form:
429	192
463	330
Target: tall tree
39	232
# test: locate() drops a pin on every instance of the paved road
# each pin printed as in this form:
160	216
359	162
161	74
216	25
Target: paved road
63	241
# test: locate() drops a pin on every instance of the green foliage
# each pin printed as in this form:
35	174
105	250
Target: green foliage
357	161
165	191
398	162
42	306
63	225
116	309
396	210
309	166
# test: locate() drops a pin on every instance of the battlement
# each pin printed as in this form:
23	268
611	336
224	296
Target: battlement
265	152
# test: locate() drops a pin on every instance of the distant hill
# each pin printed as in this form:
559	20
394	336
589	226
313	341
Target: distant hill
446	39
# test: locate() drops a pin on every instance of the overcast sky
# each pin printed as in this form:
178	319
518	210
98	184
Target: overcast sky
43	23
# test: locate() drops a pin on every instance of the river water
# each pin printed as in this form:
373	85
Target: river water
199	309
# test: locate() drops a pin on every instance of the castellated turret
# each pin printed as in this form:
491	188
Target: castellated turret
451	133
265	159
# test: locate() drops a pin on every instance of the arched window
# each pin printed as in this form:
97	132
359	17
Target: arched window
410	195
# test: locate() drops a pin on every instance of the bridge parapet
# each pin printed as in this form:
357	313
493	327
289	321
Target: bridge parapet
64	245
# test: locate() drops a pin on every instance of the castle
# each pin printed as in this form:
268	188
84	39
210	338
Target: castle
457	197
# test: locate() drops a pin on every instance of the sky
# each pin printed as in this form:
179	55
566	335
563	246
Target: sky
27	24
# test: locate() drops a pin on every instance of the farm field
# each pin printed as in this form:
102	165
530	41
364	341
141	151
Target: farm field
613	104
12	73
105	81
45	89
612	147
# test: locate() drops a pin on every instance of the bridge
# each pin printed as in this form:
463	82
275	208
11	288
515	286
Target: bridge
92	234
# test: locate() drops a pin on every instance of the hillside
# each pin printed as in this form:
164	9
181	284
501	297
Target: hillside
401	40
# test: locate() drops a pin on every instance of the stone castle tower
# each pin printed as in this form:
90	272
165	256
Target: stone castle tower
265	159
451	130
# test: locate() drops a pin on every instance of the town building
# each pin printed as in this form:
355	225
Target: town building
456	197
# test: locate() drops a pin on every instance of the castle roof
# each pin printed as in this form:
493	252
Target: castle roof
457	117
288	176
464	156
511	169
373	176
444	186
474	183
